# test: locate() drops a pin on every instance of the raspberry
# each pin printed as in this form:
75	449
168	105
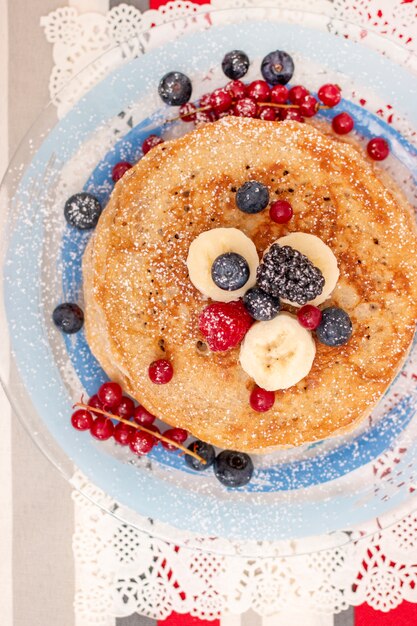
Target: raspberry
143	417
224	324
267	113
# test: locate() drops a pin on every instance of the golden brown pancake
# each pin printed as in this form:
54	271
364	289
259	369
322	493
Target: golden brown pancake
141	305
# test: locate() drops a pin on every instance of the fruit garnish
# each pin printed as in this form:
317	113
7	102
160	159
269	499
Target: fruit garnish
179	435
280	211
260	305
204	450
286	273
252	197
126	407
279	94
102	428
342	123
245	107
230	271
142	416
330	94
120	169
277	67
309	316
236	88
110	395
378	149
175	88
68	317
81	419
268	113
233	469
261	400
224	324
187	112
160	372
82	210
122	433
220	100
259	90
235	64
141	442
309	106
150	142
335	328
297	94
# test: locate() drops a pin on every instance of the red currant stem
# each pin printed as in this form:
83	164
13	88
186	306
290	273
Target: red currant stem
286	106
179	117
146	430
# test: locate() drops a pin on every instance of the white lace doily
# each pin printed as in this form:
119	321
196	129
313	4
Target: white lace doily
120	570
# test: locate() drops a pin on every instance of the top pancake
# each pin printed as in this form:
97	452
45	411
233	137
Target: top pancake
140	304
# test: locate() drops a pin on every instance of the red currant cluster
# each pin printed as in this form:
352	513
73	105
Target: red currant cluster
135	425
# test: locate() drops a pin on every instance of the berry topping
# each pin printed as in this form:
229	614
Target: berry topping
342	123
236	88
176	434
95	403
220	100
280	211
224	324
235	64
141	442
102	428
330	94
187	112
259	90
252	197
233	469
335	328
160	372
82	210
110	395
378	149
123	433
309	316
260	305
150	142
203	449
286	273
277	67
261	400
245	107
297	94
291	114
279	94
142	416
175	88
68	317
125	408
119	170
154	429
82	419
230	271
203	117
205	100
309	106
267	113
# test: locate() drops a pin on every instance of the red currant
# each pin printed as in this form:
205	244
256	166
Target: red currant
141	442
125	407
187	112
220	100
267	113
142	416
110	395
309	106
120	170
261	400
291	114
203	117
245	107
342	123
259	90
236	88
102	428
150	142
330	94
279	94
161	372
378	149
95	403
205	100
154	429
280	211
122	433
82	419
309	316
297	94
179	435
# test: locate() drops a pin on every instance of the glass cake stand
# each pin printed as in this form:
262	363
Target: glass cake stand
322	489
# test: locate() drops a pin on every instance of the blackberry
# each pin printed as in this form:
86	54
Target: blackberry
288	274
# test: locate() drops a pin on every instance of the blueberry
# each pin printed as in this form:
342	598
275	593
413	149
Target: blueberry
260	305
277	67
68	317
205	450
175	88
235	64
82	210
230	271
335	328
252	197
233	469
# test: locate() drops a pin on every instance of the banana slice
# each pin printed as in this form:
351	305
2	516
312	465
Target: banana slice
320	255
207	247
277	354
